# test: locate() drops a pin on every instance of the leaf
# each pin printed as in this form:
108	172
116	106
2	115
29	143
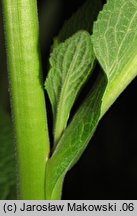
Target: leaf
82	19
114	40
71	64
74	140
7	157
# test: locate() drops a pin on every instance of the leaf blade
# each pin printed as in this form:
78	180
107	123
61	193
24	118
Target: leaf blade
74	139
71	63
115	46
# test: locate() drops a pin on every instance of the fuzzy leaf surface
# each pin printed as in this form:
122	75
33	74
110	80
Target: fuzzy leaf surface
71	64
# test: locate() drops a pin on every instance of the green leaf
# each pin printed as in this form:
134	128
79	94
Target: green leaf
114	40
7	158
82	19
71	64
74	140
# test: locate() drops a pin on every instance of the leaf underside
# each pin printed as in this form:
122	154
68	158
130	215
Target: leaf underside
114	41
71	64
82	19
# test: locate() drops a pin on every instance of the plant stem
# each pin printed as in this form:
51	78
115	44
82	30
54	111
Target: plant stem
27	96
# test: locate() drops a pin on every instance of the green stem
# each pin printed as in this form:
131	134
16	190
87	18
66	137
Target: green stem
27	96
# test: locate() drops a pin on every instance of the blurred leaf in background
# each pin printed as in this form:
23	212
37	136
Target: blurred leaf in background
82	19
7	158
